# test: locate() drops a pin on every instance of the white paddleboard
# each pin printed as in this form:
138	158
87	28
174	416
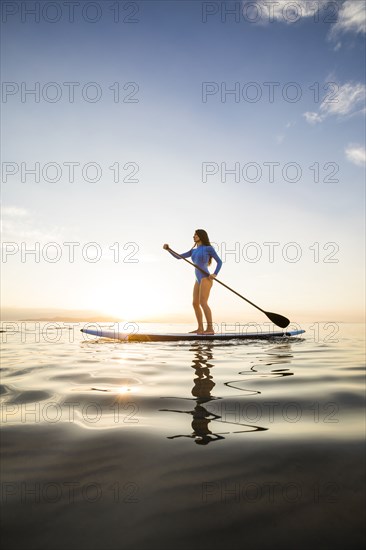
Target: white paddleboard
176	337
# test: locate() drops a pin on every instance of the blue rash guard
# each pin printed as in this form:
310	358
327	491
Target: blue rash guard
200	256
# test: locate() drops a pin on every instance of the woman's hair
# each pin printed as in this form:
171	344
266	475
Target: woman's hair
204	238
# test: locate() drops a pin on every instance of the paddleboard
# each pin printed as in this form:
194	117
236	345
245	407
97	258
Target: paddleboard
176	337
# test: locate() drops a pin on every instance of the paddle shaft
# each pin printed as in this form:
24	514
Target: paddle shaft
217	280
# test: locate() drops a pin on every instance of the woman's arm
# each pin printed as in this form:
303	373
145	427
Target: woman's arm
185	254
218	260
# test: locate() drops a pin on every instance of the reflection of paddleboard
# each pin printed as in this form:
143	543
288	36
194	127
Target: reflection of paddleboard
159	337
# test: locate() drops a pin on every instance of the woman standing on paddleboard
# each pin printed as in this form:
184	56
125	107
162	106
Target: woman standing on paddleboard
202	254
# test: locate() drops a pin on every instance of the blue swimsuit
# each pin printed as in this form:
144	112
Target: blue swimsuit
200	256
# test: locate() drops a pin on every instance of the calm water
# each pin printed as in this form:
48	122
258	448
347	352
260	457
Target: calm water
110	445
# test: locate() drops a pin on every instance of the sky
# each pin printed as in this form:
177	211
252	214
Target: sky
127	125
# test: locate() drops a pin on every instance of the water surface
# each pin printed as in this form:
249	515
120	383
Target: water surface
161	445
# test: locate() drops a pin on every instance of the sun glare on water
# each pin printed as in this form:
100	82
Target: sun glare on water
127	389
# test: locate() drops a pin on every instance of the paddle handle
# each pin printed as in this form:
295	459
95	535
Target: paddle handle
217	280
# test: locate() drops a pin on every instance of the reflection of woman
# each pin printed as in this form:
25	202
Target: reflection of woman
202	254
203	385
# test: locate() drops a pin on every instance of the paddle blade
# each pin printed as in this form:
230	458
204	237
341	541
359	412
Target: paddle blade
278	320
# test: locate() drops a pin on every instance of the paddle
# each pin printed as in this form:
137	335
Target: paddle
276	319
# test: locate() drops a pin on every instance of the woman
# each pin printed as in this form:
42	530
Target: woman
202	254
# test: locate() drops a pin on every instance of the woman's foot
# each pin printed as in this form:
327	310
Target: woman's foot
197	331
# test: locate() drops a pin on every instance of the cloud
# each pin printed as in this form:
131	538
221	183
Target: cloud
313	118
356	154
280	138
14	212
351	18
348	99
17	224
281	10
346	15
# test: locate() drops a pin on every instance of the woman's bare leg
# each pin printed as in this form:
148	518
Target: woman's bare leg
204	293
197	308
